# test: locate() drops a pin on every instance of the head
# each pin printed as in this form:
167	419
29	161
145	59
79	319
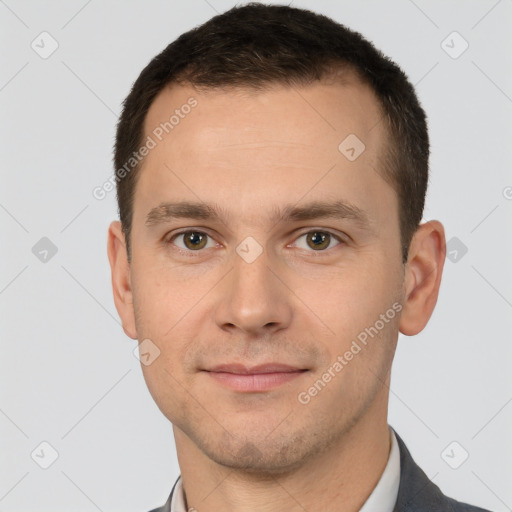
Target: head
273	217
256	46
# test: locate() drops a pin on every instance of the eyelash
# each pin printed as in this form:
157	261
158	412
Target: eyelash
192	254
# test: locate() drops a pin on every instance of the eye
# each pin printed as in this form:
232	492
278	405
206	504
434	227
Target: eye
192	241
318	240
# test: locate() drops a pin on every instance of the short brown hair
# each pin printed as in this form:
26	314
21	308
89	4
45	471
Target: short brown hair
256	45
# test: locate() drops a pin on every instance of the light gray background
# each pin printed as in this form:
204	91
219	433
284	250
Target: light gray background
68	373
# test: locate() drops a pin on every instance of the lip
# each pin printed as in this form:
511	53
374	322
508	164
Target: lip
253	379
254	370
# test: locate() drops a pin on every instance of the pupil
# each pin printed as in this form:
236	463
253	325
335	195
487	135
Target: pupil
318	237
194	238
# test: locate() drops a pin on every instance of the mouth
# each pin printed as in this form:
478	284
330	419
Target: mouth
254	379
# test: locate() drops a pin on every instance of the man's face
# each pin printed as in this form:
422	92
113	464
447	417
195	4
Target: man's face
254	287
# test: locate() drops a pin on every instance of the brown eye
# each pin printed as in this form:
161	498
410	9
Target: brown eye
194	240
317	240
191	240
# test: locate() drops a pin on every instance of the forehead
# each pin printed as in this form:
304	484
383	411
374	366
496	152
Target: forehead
313	115
241	145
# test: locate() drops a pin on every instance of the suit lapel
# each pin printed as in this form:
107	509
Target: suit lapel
417	493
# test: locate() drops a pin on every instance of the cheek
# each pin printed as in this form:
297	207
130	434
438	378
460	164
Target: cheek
349	299
166	305
164	386
163	296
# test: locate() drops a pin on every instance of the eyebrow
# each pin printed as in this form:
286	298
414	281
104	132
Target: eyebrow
168	211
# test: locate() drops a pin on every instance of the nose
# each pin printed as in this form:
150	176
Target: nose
253	299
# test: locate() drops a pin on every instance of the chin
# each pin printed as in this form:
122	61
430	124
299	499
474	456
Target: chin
259	455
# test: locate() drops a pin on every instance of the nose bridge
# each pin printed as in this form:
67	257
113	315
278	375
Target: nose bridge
253	298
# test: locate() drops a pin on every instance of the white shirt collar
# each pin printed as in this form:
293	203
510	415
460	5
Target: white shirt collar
178	498
382	498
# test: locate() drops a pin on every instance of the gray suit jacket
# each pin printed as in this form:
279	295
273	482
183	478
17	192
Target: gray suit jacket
416	492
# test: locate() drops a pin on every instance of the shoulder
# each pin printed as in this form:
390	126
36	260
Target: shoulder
417	493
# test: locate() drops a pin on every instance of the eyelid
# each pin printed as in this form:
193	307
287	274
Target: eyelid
169	240
168	237
338	238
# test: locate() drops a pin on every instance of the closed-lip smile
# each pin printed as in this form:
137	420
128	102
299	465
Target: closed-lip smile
259	378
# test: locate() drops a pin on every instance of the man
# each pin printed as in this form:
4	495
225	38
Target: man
272	167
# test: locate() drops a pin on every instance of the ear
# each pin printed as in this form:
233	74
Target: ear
121	282
423	274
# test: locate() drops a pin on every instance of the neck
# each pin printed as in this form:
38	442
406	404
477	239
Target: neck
341	478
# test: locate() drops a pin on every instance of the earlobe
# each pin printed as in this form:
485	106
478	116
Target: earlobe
121	280
423	274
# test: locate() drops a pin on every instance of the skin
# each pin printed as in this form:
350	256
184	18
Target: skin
250	153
